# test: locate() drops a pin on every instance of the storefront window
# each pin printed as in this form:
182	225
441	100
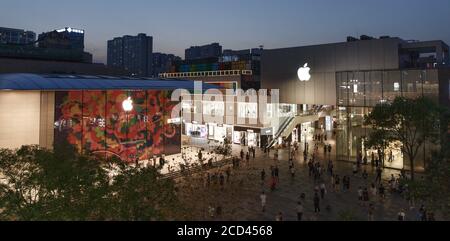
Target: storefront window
248	110
213	108
358	92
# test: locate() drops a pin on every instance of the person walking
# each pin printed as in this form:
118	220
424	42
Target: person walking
337	183
276	173
373	190
263	198
370	213
279	217
323	190
221	181
365	196
381	192
263	176
316	203
401	216
360	195
378	177
355	169
299	211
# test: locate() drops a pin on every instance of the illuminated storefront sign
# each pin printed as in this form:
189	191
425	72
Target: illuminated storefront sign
303	73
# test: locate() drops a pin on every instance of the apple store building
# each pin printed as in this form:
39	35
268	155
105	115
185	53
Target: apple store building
348	79
128	118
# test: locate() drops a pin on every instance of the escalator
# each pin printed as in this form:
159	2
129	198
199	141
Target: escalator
280	131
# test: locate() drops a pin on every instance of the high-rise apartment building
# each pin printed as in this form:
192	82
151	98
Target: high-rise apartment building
203	52
132	53
16	36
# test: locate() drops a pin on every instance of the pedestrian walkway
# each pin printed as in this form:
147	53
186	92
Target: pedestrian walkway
240	199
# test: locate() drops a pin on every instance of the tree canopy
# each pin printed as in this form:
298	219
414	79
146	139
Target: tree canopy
412	122
38	184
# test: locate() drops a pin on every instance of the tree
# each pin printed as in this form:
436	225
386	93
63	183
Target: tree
143	194
39	184
433	189
225	148
409	121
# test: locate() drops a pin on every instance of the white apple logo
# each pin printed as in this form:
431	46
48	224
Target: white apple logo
127	105
303	73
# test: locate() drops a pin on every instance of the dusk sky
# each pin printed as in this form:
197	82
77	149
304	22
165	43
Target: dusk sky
235	24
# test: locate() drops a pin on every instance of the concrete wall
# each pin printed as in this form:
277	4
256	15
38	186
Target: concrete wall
19	118
47	119
26	118
279	67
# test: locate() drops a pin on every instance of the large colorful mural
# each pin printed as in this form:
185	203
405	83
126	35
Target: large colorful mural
96	122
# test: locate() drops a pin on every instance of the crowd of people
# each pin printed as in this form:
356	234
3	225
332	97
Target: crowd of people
370	191
369	195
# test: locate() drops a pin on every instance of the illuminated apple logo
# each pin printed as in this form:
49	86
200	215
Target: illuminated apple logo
127	105
303	73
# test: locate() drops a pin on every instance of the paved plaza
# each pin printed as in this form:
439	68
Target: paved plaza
239	199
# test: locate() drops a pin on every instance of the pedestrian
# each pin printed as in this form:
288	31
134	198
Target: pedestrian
263	198
299	211
337	183
276	172
373	190
381	191
370	212
263	176
422	214
330	168
211	211
292	172
401	215
273	184
221	180
219	211
279	217
360	195
323	190
378	177
365	175
316	203
333	183
200	155
365	196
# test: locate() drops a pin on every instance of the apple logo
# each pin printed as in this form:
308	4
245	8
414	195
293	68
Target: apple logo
303	73
127	105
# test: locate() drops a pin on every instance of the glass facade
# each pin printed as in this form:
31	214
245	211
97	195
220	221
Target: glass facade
359	91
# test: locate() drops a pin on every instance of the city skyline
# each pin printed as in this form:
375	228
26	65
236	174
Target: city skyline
234	24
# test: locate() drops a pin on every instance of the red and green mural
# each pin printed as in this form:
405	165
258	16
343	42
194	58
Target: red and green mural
95	122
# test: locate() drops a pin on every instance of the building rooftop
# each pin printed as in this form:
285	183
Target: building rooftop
84	82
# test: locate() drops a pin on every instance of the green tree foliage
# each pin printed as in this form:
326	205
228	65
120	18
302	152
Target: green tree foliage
412	122
433	189
37	184
225	148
